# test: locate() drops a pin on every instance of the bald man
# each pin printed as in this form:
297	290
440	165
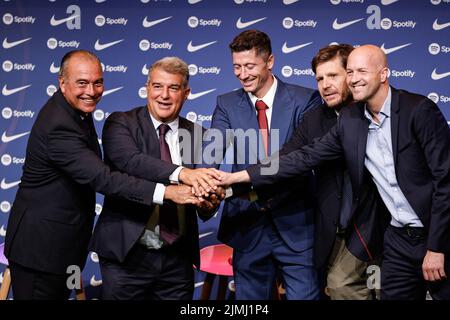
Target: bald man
401	142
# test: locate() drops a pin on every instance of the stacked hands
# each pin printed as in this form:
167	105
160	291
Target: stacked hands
203	187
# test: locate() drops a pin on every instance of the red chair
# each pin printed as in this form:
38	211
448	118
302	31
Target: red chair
216	260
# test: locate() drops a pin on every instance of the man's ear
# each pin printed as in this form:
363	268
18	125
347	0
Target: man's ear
384	74
62	83
187	91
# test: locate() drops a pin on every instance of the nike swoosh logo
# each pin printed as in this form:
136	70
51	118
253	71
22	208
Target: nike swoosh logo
98	46
287	49
390	50
387	2
439	76
151	23
56	22
100	1
288	2
438	26
193	96
9	45
205	234
6	138
95	283
3	231
144	70
8	92
53	68
192	48
198	284
194	1
338	26
5	185
242	25
105	93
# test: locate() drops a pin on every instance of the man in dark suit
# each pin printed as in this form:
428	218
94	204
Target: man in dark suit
269	235
137	259
402	141
53	214
345	274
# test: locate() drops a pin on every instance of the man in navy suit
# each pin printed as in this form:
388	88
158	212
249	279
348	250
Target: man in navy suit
269	235
139	260
401	141
346	274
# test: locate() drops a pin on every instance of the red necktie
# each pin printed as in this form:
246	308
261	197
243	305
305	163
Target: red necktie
168	217
262	122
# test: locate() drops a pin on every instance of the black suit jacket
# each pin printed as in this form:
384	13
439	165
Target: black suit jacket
52	217
421	149
131	145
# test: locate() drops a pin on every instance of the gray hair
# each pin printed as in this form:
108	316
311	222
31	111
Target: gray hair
172	65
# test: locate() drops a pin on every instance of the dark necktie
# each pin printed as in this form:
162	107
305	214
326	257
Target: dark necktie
168	218
262	122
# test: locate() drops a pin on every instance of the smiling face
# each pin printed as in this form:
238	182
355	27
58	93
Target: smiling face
165	94
331	81
367	75
253	71
82	83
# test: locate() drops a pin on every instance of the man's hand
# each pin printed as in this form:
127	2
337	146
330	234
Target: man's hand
227	178
181	194
202	180
212	202
433	266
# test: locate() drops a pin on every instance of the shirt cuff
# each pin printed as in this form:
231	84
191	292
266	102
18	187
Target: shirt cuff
228	192
158	195
174	177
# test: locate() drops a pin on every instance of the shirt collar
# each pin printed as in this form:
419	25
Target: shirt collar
385	109
269	97
173	124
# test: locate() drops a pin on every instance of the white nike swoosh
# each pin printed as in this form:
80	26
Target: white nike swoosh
151	23
390	50
194	1
3	231
99	46
198	284
144	70
439	76
54	22
438	26
100	1
8	45
193	96
105	93
192	48
387	2
288	2
205	234
287	49
242	25
6	139
338	26
8	92
95	283
5	185
53	68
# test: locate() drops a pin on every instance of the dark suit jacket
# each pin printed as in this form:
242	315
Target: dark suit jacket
421	149
52	217
131	145
329	180
242	221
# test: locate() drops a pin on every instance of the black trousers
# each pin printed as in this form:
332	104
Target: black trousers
31	284
164	274
401	268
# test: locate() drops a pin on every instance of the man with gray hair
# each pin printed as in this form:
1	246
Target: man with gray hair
147	253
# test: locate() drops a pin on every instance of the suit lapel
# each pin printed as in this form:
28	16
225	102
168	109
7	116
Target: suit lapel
395	117
282	112
246	119
149	135
363	132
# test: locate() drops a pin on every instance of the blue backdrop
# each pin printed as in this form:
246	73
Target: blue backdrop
129	35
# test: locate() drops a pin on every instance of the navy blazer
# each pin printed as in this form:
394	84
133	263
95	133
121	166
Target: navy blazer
131	145
51	220
242	221
421	149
